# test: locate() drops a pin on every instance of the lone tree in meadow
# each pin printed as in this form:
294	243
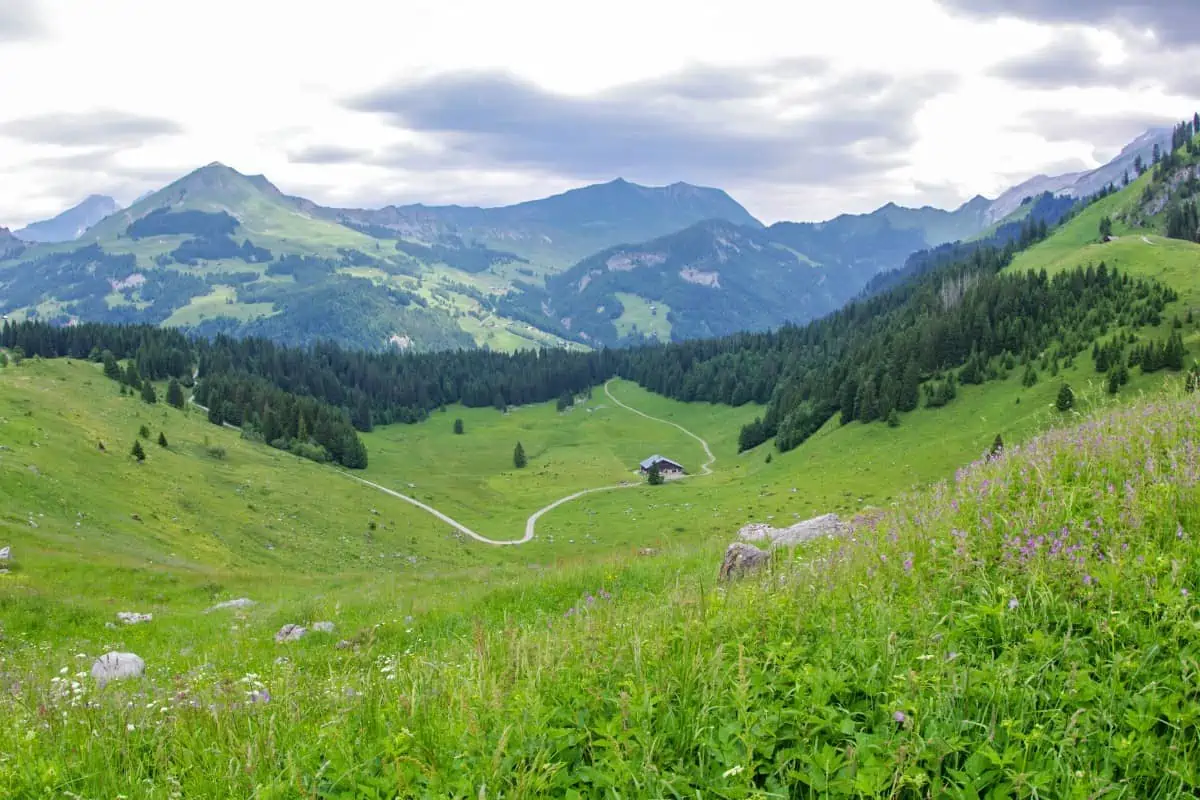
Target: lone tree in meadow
132	378
144	432
519	456
1066	398
458	427
137	451
148	394
654	477
1105	228
175	394
162	439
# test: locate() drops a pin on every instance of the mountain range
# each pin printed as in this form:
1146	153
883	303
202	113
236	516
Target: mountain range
218	251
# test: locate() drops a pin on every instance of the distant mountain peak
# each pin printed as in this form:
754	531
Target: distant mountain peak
72	223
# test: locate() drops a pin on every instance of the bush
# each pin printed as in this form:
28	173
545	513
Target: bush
217	452
144	432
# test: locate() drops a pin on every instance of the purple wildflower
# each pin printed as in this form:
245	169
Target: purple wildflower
908	562
899	717
260	696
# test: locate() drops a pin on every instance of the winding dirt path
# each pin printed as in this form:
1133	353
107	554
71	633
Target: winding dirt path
531	523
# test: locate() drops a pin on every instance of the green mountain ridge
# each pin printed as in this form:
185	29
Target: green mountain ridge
716	278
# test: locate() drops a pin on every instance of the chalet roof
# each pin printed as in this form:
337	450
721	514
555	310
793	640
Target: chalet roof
657	459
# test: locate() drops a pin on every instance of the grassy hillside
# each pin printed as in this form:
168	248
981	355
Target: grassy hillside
907	660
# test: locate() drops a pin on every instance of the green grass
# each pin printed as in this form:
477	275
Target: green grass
643	316
221	302
513	680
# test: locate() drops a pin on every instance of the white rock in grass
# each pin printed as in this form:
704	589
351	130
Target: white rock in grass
5	553
133	617
323	627
241	602
117	666
290	633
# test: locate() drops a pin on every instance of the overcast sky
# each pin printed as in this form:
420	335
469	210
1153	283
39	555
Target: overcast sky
801	110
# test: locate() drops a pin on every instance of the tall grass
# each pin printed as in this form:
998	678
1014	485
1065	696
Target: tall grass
1029	629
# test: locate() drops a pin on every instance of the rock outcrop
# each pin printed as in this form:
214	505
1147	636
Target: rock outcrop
323	627
116	666
815	528
742	559
133	617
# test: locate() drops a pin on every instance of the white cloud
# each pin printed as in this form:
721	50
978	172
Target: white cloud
263	86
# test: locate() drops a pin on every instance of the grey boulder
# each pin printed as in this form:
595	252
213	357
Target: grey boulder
290	633
116	666
742	559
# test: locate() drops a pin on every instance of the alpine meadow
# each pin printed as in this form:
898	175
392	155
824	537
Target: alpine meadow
621	491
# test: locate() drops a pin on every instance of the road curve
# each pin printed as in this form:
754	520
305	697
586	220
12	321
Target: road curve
531	523
706	466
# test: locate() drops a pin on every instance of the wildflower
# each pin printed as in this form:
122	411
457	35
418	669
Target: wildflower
1088	580
1184	592
953	654
1012	604
129	726
729	773
591	600
605	595
899	717
908	562
260	696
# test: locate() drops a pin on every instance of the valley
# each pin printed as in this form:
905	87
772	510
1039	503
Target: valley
358	489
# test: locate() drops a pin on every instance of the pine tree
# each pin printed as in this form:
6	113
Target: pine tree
111	368
144	432
1114	381
458	427
519	456
132	378
997	446
162	439
137	451
175	393
1066	398
655	478
148	393
1105	228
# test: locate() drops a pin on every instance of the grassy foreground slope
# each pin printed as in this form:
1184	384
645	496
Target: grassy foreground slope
1027	630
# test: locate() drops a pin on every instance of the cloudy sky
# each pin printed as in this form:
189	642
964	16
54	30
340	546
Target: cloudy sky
801	110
